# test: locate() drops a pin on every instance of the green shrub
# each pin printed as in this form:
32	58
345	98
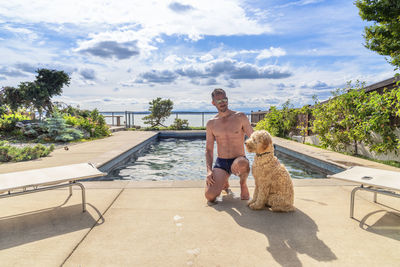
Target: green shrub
94	124
3	110
179	124
14	154
272	122
34	130
8	121
279	122
58	130
71	120
75	112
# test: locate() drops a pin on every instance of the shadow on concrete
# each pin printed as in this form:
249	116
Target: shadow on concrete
29	227
288	233
388	225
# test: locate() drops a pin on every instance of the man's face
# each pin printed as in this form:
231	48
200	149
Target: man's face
220	102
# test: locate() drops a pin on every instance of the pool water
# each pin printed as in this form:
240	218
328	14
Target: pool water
183	159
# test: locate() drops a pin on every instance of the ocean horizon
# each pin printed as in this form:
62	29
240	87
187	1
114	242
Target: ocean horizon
136	118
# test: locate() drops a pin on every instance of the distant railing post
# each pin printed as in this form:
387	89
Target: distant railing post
112	118
202	119
126	119
133	119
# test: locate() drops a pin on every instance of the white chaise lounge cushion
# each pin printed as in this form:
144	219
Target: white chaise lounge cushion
47	176
370	176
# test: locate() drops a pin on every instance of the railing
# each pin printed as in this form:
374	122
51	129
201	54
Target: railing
130	119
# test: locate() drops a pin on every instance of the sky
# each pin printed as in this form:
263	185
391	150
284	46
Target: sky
121	54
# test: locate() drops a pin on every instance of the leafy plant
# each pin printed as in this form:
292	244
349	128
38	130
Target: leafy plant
353	116
381	120
303	124
94	124
272	122
289	118
384	35
8	121
12	153
279	122
58	130
339	122
179	124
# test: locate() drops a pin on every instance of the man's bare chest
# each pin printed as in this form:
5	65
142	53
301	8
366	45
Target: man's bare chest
224	127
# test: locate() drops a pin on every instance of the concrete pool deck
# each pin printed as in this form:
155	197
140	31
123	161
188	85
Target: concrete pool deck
169	223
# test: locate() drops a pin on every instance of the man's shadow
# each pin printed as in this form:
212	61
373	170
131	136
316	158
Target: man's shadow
37	225
287	233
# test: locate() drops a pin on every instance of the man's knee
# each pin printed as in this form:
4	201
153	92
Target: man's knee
210	196
242	166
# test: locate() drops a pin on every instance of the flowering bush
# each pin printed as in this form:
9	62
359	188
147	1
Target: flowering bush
8	121
94	124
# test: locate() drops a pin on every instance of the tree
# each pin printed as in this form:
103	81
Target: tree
279	122
382	118
48	83
13	97
36	94
353	116
340	122
289	117
384	36
272	122
160	110
303	121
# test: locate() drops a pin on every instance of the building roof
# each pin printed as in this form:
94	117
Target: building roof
388	83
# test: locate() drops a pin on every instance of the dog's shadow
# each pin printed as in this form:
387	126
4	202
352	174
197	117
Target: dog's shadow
287	233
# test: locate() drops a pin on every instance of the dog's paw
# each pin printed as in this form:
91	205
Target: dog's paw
251	201
255	206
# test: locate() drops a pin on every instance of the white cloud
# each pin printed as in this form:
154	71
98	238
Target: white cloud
206	57
153	17
172	59
271	52
26	34
301	3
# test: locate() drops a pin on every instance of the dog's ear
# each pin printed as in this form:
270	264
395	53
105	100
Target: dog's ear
266	140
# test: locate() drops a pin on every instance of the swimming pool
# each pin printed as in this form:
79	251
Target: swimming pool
184	159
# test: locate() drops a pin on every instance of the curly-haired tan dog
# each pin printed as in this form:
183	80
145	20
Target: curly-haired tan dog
274	186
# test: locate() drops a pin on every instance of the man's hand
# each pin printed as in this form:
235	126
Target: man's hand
210	179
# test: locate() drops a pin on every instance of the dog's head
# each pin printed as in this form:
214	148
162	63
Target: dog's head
259	142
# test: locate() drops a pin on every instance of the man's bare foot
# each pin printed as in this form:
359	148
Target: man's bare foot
244	192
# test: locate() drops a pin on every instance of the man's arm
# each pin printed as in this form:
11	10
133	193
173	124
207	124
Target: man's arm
248	130
210	138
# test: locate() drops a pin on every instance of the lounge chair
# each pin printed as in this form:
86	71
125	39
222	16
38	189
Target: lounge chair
373	180
31	181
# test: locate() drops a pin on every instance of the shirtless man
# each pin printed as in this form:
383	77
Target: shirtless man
228	128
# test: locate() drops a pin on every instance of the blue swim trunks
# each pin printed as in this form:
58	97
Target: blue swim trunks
224	164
